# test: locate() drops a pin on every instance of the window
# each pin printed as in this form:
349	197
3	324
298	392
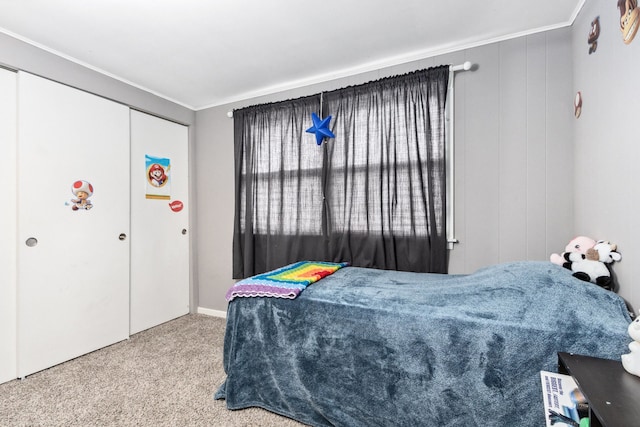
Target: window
373	196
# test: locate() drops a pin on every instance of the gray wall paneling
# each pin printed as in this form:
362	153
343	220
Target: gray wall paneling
482	153
559	155
509	133
607	194
513	151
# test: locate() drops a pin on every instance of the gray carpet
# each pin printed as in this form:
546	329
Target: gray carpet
165	376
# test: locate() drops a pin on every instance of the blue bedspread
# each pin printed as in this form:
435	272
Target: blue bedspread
366	347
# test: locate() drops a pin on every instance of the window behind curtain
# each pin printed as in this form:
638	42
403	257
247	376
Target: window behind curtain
373	196
278	186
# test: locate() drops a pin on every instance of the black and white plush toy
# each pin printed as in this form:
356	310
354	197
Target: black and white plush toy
591	266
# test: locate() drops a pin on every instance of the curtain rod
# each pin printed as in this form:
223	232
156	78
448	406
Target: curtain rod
450	155
466	66
462	67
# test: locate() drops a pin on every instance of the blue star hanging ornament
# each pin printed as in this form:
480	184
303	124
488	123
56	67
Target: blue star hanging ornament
320	128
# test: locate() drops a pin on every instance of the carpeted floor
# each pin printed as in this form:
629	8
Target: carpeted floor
165	376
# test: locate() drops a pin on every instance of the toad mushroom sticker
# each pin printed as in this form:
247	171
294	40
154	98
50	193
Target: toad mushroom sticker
81	190
158	178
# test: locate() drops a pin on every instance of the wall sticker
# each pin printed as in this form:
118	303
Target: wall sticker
176	205
629	16
82	190
594	33
158	177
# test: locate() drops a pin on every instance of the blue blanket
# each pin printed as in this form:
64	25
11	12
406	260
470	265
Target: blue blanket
366	347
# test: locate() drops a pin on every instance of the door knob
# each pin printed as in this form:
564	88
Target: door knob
31	242
184	231
122	236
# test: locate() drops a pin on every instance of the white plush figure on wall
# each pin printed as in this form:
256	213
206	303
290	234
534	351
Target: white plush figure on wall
631	361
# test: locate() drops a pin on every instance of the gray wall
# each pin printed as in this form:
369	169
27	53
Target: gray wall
23	56
607	140
514	157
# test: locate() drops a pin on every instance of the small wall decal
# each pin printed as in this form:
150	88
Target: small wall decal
82	190
577	104
629	17
594	33
158	177
176	205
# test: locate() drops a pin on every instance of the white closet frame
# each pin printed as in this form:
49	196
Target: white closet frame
8	117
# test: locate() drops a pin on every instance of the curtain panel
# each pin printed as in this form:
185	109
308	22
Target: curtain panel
374	196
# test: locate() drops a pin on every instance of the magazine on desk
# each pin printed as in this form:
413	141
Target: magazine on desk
564	404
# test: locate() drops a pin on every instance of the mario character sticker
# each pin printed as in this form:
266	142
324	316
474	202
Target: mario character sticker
82	190
158	178
629	19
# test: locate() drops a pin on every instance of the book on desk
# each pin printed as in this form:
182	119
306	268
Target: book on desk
564	403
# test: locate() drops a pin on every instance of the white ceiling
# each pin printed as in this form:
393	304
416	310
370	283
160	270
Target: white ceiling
202	53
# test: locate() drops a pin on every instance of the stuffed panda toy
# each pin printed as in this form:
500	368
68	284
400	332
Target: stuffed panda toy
592	265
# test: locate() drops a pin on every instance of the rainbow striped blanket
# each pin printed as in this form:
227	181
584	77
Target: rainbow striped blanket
285	282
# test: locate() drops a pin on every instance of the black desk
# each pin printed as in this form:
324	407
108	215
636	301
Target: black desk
613	394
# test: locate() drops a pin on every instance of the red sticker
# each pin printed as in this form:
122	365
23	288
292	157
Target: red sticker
176	205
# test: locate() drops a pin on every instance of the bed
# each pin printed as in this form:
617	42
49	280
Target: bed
367	347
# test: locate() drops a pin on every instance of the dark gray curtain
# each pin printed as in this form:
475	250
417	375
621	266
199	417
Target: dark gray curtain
386	192
374	196
278	187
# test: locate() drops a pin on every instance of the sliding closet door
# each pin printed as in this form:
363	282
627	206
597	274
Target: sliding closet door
73	207
159	221
8	226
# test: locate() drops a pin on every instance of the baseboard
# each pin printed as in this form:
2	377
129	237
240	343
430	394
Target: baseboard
210	312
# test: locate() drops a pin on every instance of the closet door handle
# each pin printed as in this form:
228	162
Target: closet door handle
122	236
31	242
184	231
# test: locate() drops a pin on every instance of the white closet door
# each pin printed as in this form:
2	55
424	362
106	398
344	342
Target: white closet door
8	226
73	264
159	221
